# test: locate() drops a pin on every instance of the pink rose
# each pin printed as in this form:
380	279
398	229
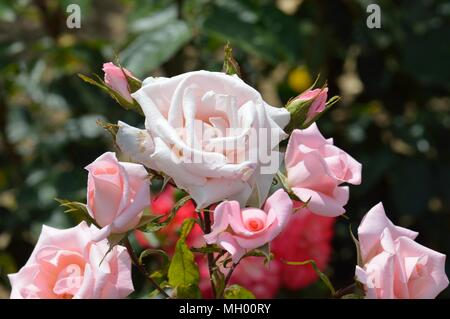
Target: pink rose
117	193
318	99
67	263
197	131
316	169
394	266
116	80
307	236
239	230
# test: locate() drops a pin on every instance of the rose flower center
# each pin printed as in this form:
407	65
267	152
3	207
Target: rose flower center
254	224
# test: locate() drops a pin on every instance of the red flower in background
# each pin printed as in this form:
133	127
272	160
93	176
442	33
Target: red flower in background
162	205
263	280
307	236
164	201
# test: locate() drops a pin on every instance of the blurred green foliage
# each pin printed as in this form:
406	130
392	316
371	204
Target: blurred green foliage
394	116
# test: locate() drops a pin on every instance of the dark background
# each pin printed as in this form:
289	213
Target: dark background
394	115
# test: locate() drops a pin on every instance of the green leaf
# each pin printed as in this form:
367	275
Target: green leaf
154	223
186	228
262	30
89	80
183	271
76	208
238	292
150	49
321	275
152	19
225	24
263	251
230	66
188	292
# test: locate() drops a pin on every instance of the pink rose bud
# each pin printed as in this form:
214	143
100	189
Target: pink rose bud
393	265
318	99
117	193
68	263
306	107
316	169
239	230
116	80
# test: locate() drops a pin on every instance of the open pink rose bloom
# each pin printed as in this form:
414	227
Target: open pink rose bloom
316	170
394	265
67	263
238	230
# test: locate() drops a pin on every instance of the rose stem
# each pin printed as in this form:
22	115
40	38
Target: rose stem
201	221
141	268
228	277
344	291
218	256
207	230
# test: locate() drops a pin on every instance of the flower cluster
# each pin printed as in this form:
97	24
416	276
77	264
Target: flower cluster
232	220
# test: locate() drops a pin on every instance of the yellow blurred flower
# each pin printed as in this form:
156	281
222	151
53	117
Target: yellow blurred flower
299	79
67	40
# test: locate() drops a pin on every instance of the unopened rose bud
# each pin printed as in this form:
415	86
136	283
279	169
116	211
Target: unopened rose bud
318	99
115	78
307	107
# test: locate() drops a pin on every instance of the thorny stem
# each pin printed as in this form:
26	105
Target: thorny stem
141	268
207	230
